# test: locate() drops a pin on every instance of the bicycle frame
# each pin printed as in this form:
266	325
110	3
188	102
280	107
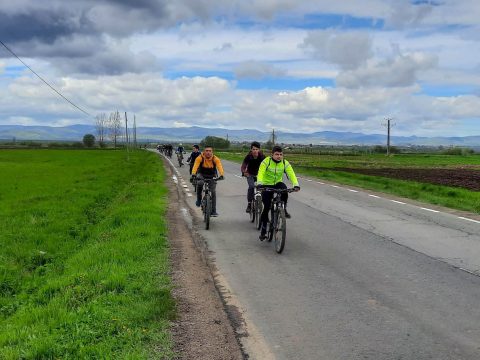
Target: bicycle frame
206	203
277	221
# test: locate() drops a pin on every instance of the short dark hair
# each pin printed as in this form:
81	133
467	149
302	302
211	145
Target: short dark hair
256	144
196	146
207	146
277	148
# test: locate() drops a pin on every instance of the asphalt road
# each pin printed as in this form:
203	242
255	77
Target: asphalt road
361	276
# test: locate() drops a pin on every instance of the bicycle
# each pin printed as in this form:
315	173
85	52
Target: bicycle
180	159
277	225
194	183
206	204
256	208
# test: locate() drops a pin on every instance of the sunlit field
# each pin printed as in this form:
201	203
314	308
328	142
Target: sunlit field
83	255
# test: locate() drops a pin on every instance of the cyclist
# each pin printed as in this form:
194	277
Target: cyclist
194	154
180	149
249	169
207	166
270	175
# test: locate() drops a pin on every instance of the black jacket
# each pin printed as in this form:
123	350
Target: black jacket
251	165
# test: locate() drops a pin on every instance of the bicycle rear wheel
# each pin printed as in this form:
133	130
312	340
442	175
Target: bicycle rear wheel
208	211
252	211
258	212
280	231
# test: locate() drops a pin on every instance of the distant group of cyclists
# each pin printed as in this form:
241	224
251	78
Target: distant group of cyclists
262	172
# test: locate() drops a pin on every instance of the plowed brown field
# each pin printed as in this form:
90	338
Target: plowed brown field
457	177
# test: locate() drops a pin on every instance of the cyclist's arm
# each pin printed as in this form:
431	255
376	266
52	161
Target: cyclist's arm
243	168
291	174
261	173
196	165
219	166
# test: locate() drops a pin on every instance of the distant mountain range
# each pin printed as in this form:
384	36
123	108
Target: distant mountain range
195	134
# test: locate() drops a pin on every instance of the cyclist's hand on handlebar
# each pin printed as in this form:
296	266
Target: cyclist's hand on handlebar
296	188
221	177
192	177
260	186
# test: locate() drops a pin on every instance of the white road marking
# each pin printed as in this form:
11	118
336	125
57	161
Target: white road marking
374	196
464	218
309	180
237	176
335	186
321	183
355	191
398	202
427	209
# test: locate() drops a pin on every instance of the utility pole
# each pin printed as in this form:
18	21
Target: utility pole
273	137
126	129
389	125
134	131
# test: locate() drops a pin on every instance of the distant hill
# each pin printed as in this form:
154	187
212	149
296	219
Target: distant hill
195	133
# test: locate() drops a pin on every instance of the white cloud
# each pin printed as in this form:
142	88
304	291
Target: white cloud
2	67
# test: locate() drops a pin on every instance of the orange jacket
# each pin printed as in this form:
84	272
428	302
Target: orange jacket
208	165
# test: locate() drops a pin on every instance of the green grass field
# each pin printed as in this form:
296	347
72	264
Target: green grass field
84	256
321	166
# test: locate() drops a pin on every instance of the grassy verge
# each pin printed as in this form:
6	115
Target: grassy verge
451	197
84	256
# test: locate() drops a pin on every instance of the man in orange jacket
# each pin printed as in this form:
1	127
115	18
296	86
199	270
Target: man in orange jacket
207	166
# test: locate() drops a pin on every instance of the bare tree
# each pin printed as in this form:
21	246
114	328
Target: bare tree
101	125
114	127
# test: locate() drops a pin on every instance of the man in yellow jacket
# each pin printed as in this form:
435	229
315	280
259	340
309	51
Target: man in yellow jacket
270	175
207	166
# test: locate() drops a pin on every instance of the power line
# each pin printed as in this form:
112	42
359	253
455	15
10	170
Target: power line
50	86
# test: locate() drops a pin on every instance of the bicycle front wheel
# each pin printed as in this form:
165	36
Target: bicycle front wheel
208	212
280	231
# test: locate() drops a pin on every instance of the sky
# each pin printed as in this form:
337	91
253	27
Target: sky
290	65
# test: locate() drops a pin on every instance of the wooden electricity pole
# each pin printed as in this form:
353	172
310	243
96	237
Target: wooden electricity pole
134	131
389	125
126	129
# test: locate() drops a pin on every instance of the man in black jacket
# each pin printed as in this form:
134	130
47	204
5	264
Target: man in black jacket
249	169
193	156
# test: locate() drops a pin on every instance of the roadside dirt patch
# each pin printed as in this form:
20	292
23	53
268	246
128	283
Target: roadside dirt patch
203	329
457	177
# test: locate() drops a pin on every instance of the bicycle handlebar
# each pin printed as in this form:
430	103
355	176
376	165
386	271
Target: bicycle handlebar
289	190
213	179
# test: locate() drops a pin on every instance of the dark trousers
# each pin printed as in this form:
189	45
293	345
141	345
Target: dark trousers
251	187
267	197
213	187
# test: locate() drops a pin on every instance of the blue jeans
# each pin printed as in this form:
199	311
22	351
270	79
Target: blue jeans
251	187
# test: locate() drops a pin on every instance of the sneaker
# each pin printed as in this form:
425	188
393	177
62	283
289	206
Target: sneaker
263	233
214	214
198	203
249	208
287	215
